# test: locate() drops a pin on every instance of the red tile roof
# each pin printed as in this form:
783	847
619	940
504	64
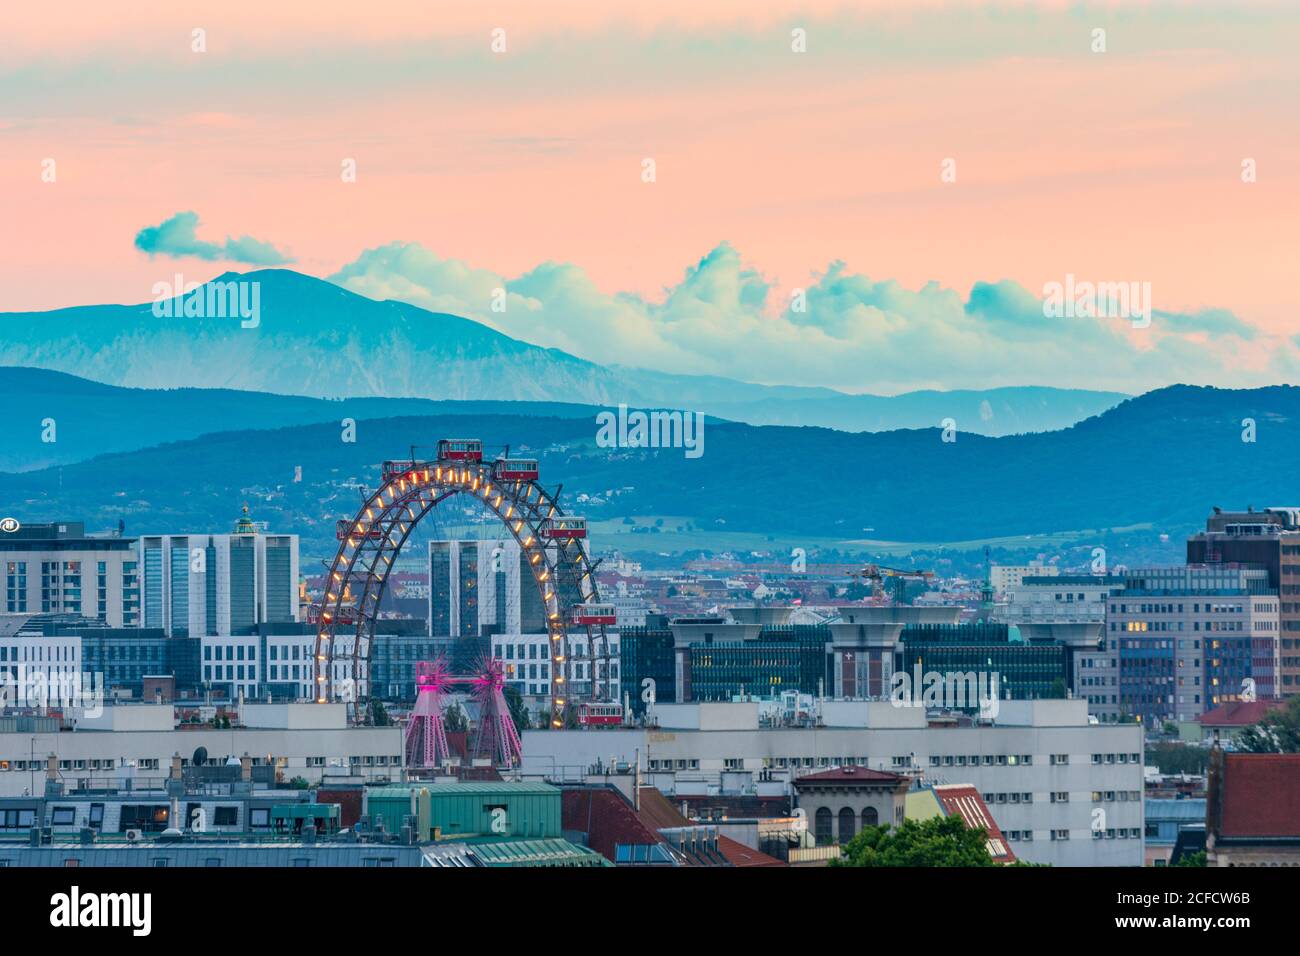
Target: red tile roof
965	801
1240	713
1261	795
860	776
738	854
606	817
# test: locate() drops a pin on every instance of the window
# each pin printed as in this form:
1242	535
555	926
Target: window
63	816
848	819
822	827
226	816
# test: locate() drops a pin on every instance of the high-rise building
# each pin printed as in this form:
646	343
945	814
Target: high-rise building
1269	539
207	584
1187	639
477	588
57	568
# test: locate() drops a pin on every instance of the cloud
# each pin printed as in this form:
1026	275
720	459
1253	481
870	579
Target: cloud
855	334
175	237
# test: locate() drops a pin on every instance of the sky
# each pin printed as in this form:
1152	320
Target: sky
914	173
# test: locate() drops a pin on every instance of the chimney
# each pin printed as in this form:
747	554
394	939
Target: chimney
246	768
176	766
51	768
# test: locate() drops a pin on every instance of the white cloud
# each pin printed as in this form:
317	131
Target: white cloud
857	335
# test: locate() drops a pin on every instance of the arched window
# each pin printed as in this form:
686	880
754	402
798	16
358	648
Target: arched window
848	825
870	817
822	830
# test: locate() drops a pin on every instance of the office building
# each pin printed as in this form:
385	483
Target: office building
482	587
1268	539
1187	639
202	584
1041	766
58	568
1058	599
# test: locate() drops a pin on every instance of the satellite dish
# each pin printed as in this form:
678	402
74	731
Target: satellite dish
200	756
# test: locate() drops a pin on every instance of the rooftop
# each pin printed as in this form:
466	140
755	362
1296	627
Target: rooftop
859	776
1240	713
1261	796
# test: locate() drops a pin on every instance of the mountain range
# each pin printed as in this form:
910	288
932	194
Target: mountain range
1160	460
315	339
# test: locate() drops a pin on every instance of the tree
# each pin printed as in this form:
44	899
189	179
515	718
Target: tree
518	712
1192	859
1178	758
454	719
937	841
1277	733
379	714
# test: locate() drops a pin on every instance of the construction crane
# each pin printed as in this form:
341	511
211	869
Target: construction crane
878	574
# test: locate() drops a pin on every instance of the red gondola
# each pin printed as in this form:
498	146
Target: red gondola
590	615
566	527
600	714
460	449
515	469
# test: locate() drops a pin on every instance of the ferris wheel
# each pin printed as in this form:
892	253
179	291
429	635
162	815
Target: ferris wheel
509	496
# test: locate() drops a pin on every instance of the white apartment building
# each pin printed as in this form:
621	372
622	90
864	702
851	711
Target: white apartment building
1058	599
276	664
1004	577
137	741
1042	768
527	662
59	569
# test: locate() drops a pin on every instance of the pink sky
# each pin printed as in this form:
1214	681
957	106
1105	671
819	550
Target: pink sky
1122	165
